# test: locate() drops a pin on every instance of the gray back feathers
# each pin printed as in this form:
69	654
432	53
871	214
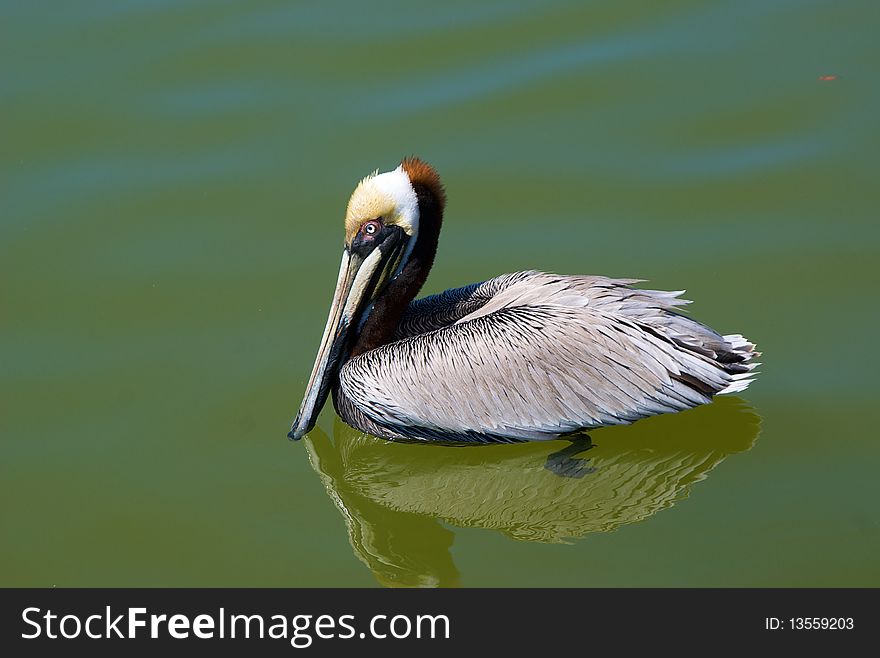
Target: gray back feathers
532	355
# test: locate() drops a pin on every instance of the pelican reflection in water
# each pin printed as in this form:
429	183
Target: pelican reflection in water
400	500
523	356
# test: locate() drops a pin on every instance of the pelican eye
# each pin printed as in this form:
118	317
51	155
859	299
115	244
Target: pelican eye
372	227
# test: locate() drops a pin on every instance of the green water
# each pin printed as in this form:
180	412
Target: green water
174	177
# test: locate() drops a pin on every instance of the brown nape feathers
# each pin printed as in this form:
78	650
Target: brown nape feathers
421	174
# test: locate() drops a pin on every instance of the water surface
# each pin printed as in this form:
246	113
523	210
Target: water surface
174	177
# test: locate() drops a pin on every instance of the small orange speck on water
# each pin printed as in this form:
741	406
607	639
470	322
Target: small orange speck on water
827	78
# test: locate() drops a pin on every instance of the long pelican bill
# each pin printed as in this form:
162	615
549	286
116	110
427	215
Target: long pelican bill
360	279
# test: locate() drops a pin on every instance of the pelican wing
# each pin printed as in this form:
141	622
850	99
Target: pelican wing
533	356
439	311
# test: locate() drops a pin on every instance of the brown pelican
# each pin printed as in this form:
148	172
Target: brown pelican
523	356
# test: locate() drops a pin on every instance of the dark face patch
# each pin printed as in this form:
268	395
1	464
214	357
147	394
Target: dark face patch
371	235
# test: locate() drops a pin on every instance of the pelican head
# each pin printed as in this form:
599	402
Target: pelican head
381	232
